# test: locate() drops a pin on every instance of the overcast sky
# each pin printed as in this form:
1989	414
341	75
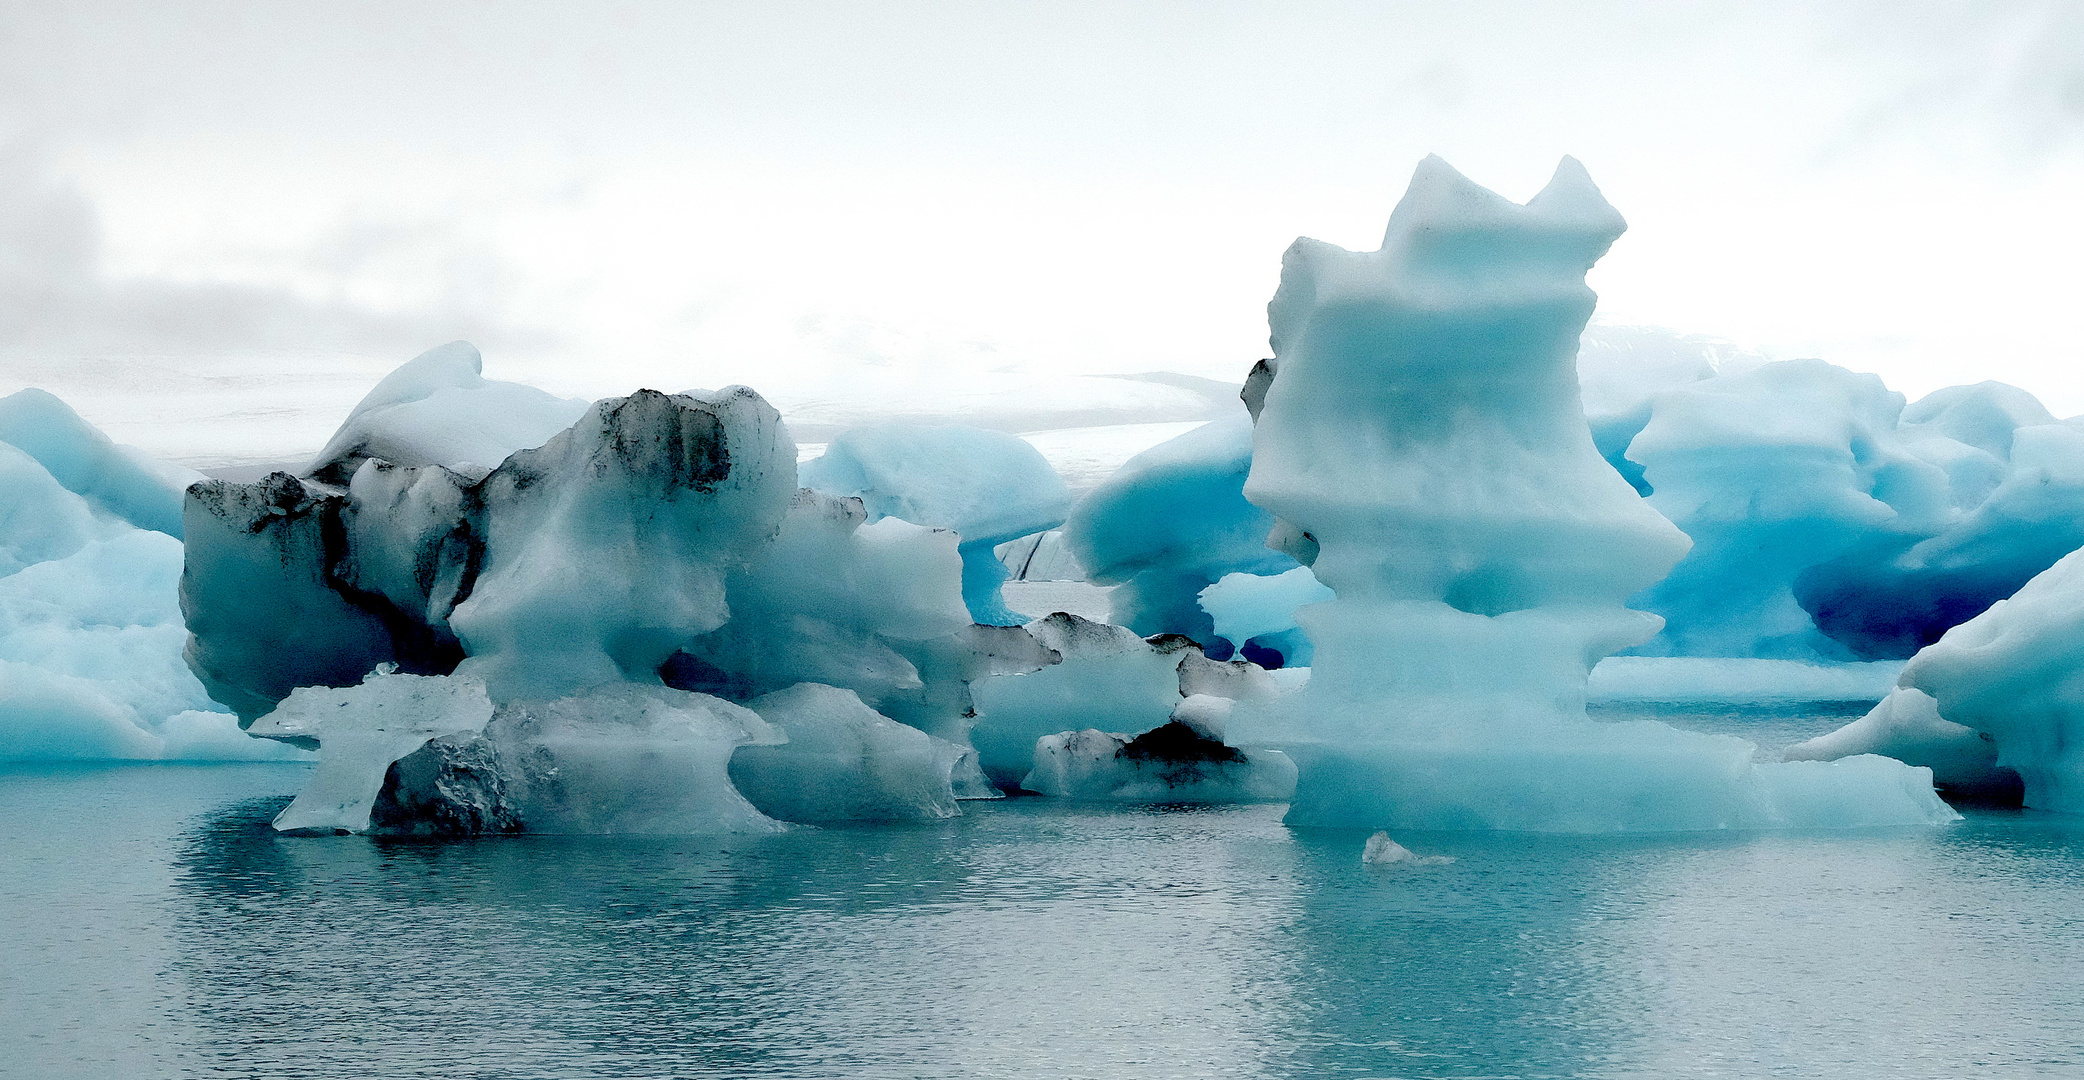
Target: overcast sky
606	195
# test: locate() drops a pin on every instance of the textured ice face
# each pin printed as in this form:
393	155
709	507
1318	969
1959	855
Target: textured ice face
987	487
607	548
1426	403
1831	522
1771	471
2019	508
590	559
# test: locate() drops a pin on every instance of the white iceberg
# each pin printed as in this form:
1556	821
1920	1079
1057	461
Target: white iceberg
985	486
439	409
1906	725
654	560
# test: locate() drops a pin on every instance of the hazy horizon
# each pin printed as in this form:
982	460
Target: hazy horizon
292	200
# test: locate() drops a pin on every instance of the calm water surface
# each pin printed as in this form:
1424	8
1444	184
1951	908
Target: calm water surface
151	925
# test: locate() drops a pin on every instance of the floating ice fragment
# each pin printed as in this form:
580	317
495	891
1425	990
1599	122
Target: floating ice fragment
360	731
1380	850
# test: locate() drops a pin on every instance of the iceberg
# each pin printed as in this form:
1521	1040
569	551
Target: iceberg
1833	523
120	481
1906	725
622	593
1422	445
90	623
1172	522
439	409
1771	471
987	487
2017	507
1100	676
2012	673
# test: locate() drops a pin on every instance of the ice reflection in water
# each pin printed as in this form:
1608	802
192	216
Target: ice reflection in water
153	926
1006	944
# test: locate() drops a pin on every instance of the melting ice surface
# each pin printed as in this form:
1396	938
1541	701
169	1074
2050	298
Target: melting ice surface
153	926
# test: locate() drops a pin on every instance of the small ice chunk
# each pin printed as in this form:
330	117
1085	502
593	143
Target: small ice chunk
1171	763
1247	606
1382	851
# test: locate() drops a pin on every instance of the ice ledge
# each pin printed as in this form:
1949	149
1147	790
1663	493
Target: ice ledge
1737	681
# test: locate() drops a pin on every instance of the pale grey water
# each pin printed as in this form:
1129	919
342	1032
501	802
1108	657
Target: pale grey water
151	925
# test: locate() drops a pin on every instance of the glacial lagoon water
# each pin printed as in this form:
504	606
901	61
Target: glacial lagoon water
151	925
